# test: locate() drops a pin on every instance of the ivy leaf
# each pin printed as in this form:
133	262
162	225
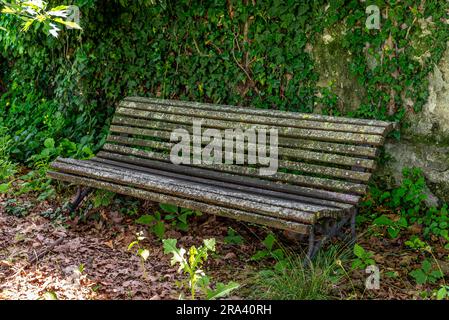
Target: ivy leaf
383	221
168	208
146	219
269	241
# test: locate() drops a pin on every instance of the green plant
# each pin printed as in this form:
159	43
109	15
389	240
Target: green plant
299	281
7	168
393	227
154	222
417	244
192	267
102	198
426	273
14	208
36	12
363	258
436	222
176	216
270	252
233	237
442	293
141	252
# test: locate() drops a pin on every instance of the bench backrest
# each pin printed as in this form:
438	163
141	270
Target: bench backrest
324	157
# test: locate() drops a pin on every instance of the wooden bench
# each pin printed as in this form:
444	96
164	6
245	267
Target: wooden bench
324	165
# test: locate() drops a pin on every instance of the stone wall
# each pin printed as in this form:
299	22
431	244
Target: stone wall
424	139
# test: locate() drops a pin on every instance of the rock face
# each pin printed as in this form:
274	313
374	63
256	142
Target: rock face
332	63
425	143
432	159
433	121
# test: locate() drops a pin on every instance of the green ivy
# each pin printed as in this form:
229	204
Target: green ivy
231	52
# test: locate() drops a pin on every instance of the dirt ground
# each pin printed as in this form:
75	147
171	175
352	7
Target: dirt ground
75	259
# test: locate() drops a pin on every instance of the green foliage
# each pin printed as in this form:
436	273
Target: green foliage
270	252
393	227
426	274
176	216
233	53
192	267
35	12
363	258
17	209
7	168
443	293
233	237
299	281
102	198
407	201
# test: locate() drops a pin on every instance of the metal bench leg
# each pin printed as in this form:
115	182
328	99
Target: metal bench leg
353	232
81	193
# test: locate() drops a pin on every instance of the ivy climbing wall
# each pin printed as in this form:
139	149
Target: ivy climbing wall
314	56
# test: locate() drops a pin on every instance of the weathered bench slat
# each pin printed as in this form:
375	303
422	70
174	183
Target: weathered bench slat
217	196
170	170
315	196
285	164
203	188
190	204
268	113
329	184
302	154
254	119
357	138
323	164
164	131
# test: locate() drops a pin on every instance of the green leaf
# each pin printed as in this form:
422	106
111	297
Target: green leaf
4	187
27	25
132	244
8	10
168	208
419	276
393	232
359	251
222	290
144	253
70	24
49	143
159	229
259	255
442	293
209	244
50	295
426	266
269	241
383	221
178	254
146	219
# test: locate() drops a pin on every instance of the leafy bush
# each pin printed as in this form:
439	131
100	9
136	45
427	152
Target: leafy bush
221	52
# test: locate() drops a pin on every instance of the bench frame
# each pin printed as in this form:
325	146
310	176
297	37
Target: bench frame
324	226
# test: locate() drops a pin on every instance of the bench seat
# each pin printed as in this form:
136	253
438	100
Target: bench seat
325	163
